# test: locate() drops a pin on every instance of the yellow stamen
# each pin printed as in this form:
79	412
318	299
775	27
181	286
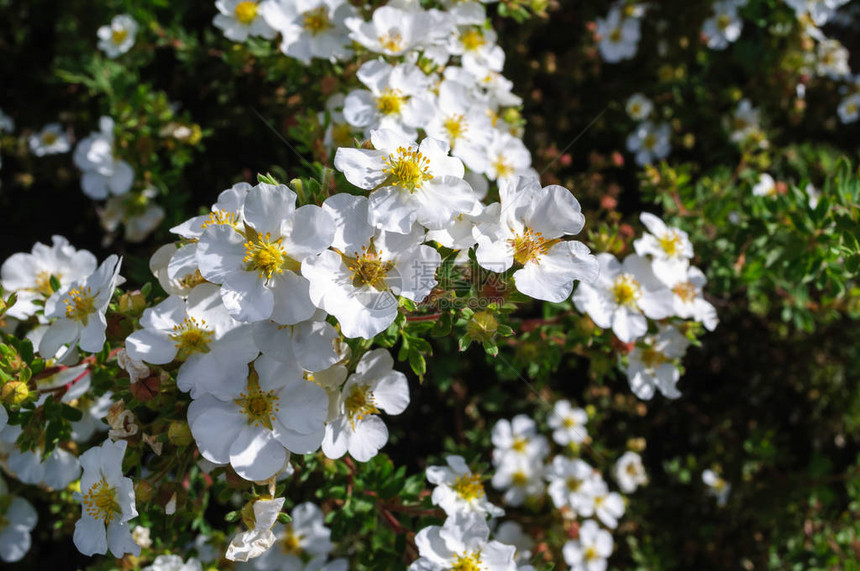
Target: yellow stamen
290	543
118	36
390	102
686	291
221	218
100	502
246	12
43	282
391	42
670	242
191	337
456	126
80	304
316	21
359	403
469	487
530	246
368	268
268	256
259	406
50	138
472	39
626	290
467	562
407	168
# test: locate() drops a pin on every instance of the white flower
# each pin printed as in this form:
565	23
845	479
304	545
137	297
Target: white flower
310	344
310	28
639	107
108	503
724	27
649	142
832	60
462	543
568	424
619	36
137	212
745	121
408	182
849	108
358	280
518	438
460	119
18	518
80	311
173	563
820	11
608	506
765	186
141	536
530	232
669	247
256	257
573	483
51	140
30	274
259	536
511	533
118	37
623	296
214	348
590	551
305	536
239	19
520	477
373	387
653	364
717	486
689	301
505	158
392	31
56	471
459	491
477	48
104	174
274	411
397	98
629	472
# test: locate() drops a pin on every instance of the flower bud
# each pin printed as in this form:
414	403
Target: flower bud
14	393
179	433
482	326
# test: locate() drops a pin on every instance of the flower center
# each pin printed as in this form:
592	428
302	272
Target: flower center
258	405
467	562
631	469
118	36
80	304
653	358
455	125
519	444
650	141
472	39
519	478
568	422
671	243
573	484
100	501
591	553
246	12
290	543
316	21
685	291
267	256
191	337
221	218
723	22
469	487
626	290
368	268
391	42
529	246
359	403
615	35
50	138
635	109
43	282
390	101
407	168
503	167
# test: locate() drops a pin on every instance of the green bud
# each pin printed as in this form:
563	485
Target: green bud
179	433
482	326
14	393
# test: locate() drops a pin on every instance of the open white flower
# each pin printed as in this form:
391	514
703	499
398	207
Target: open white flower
623	296
214	348
511	533
477	48
305	536
460	119
174	563
745	121
30	274
56	471
51	140
573	483
79	309
397	98
688	297
849	108
409	183
724	27
831	60
629	472
392	31
765	186
259	537
619	36
257	257
358	280
568	423
520	477
462	543
375	386
653	364
669	247
530	231
505	158
310	344
118	37
17	519
819	11
649	142
591	550
518	438
639	107
103	173
310	28
459	491
239	19
717	486
608	506
276	410
108	503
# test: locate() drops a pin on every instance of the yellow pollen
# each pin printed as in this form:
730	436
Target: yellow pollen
503	167
43	282
686	291
723	21
472	39
519	478
359	403
671	243
368	268
650	141
246	12
118	36
80	304
267	256
192	280
100	502
316	21
598	501
391	42
573	484
615	35
390	102
455	125
519	444
469	487
652	358
591	553
290	543
407	168
851	108
221	218
191	337
568	422
529	246
468	562
259	406
626	290
49	138
631	469
635	109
